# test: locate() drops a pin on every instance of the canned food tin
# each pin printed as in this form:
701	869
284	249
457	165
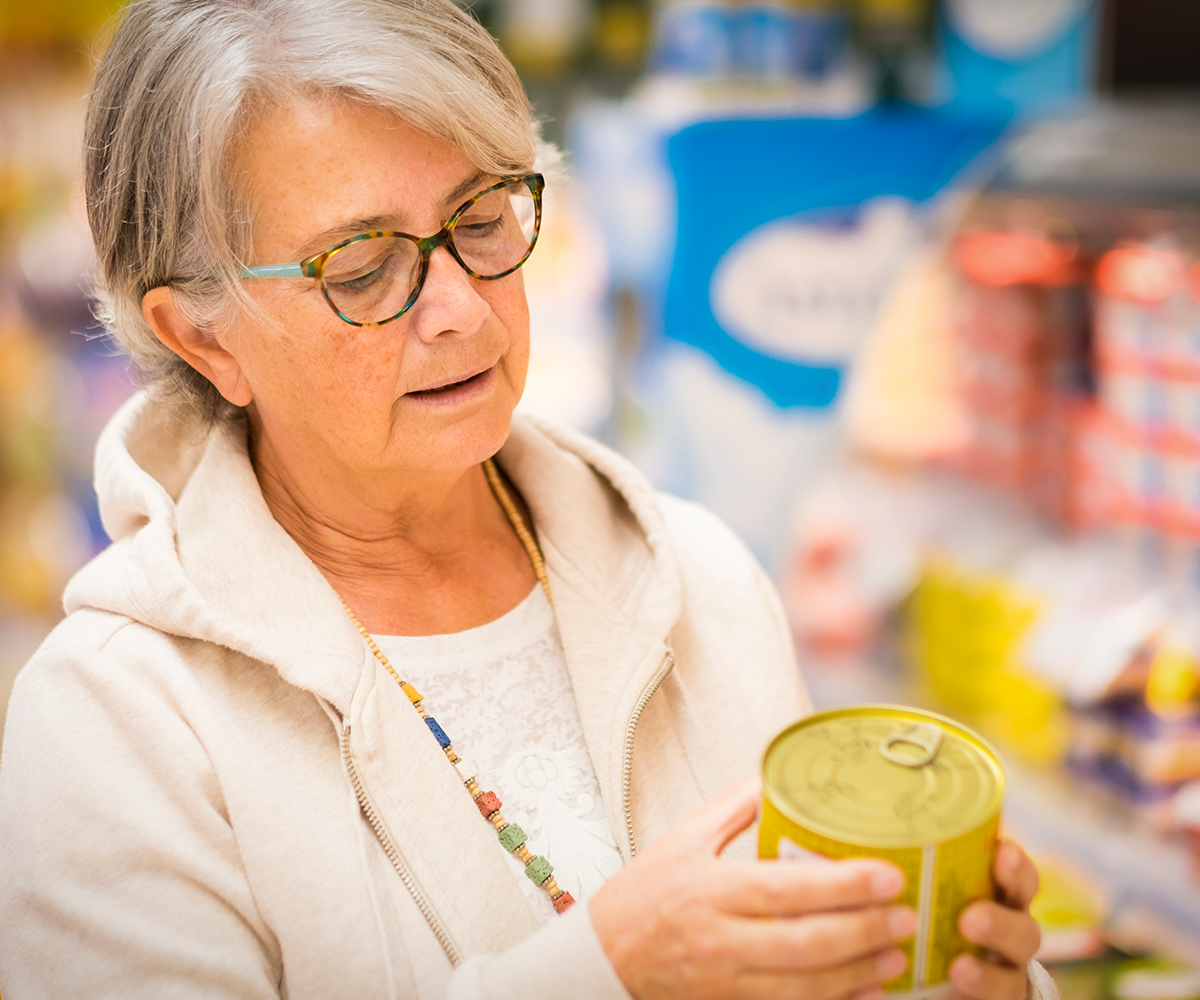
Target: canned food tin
911	787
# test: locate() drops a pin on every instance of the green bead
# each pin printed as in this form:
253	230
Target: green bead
512	837
538	870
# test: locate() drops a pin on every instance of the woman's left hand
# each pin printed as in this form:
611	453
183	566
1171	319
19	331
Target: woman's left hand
1004	928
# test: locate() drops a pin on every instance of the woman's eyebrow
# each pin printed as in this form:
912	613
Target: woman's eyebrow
465	188
376	223
343	231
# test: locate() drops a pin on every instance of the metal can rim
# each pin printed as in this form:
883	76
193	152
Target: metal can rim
806	821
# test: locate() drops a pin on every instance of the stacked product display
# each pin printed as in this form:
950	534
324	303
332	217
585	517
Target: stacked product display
752	39
1029	564
1088	414
1021	339
1147	329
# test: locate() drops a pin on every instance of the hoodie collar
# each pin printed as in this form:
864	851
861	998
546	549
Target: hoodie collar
198	554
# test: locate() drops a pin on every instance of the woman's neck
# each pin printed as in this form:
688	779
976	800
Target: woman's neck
413	553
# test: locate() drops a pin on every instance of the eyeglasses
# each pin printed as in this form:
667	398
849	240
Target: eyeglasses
374	278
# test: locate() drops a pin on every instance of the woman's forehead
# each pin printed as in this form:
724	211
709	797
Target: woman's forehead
318	167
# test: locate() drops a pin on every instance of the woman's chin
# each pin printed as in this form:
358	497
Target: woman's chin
466	439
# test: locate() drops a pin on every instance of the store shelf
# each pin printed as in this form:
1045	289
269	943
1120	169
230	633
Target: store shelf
1139	868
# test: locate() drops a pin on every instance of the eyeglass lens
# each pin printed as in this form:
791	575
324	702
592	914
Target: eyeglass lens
370	280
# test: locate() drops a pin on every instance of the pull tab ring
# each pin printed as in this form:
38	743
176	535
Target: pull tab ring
928	739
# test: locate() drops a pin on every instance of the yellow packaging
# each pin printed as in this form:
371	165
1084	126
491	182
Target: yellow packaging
914	788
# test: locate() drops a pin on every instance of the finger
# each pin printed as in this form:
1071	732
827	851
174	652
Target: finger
1012	934
711	827
790	888
817	941
1016	875
981	980
858	980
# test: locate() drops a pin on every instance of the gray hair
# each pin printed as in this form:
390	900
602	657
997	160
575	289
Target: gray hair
179	85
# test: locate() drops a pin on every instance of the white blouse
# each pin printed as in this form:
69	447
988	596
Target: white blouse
502	694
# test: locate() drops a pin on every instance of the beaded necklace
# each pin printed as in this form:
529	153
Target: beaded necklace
512	837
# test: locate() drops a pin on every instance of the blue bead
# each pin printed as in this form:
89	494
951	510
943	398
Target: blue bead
438	732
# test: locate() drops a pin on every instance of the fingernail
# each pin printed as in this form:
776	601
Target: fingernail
966	970
902	921
871	993
891	964
975	923
1007	856
887	882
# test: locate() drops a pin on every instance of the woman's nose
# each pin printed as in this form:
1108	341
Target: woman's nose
449	301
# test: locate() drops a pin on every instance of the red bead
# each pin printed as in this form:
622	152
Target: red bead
488	803
563	902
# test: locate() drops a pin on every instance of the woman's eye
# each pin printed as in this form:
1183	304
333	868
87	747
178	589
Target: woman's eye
480	227
360	272
360	283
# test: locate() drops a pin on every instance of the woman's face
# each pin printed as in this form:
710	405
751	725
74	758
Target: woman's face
433	390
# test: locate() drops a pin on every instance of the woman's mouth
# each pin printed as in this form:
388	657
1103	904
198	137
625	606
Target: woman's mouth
456	391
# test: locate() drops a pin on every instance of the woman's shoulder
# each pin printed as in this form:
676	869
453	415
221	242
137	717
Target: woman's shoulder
699	534
95	662
725	588
103	670
703	546
98	692
685	519
87	640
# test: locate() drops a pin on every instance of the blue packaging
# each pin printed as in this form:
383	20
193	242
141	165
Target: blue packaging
764	40
819	39
694	38
1018	57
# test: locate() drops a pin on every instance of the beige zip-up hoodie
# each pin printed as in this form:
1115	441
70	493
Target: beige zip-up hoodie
210	788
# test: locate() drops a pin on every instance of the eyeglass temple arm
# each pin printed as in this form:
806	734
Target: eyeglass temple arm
272	271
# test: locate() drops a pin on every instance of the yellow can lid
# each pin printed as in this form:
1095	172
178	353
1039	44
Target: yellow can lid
883	776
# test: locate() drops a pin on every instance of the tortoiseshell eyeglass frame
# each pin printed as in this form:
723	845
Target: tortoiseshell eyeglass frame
314	266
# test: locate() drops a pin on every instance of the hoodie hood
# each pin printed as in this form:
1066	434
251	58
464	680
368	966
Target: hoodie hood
197	554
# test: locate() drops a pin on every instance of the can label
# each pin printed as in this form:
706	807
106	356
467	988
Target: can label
906	786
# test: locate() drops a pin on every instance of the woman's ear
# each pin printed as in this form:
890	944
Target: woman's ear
199	349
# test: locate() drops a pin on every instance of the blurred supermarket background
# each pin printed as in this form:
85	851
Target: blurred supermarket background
907	291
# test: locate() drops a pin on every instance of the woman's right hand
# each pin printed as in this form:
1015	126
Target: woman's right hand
678	922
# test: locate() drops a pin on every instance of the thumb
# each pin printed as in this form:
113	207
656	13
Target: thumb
711	827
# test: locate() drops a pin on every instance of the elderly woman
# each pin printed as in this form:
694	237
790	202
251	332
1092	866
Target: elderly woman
380	691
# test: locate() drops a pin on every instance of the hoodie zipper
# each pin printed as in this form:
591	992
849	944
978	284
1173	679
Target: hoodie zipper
630	730
389	848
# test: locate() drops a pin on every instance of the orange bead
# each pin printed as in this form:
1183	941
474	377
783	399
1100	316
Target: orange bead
488	803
